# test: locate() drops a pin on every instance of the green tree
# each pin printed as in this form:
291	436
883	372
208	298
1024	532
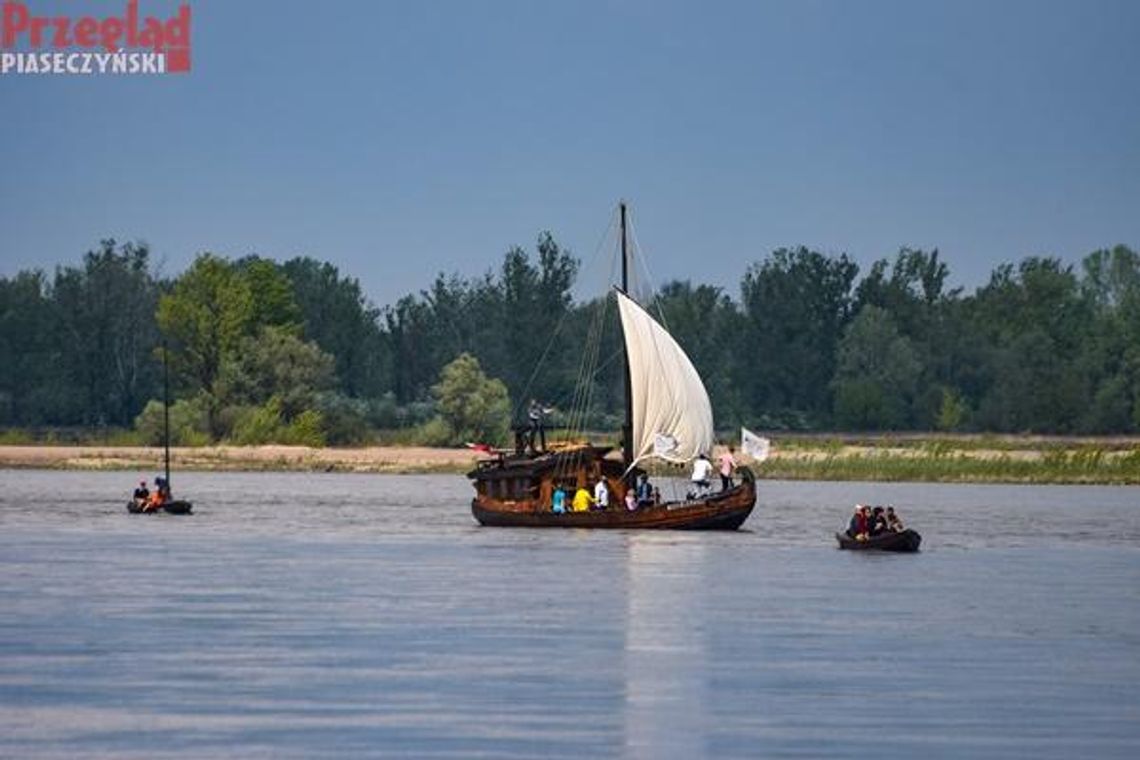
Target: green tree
1110	356
1032	391
272	295
797	303
915	284
952	411
1111	410
343	323
30	392
263	424
1112	279
104	314
1035	323
276	364
473	406
211	313
408	339
912	290
205	315
188	423
258	425
877	374
534	300
509	323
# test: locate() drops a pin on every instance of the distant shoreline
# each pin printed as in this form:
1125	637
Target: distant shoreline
971	459
272	458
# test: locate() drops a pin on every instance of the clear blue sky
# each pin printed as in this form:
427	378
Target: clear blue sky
398	140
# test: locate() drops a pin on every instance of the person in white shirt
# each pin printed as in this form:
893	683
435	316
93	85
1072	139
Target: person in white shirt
702	470
602	494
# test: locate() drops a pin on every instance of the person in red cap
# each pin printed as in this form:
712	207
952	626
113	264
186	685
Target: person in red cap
857	528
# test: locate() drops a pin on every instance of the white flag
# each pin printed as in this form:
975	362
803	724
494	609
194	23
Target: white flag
664	445
753	445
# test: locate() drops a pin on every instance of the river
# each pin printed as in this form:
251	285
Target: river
313	616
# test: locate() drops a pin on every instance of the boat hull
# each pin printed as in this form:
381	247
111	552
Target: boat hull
172	507
723	511
906	541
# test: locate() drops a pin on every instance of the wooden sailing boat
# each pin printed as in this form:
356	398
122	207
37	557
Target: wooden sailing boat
171	505
665	399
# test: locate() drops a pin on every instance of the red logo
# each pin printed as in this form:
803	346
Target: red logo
126	44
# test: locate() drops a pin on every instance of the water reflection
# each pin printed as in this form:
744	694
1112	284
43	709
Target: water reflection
665	647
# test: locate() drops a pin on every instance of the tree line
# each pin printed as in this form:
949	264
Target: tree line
294	352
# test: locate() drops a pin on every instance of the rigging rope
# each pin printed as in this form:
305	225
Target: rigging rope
540	364
650	282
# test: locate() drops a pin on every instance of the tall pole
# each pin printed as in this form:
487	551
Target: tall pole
166	413
627	426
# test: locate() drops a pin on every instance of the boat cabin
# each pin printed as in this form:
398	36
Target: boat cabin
529	481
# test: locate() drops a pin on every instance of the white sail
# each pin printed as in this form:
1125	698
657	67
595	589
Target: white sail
669	398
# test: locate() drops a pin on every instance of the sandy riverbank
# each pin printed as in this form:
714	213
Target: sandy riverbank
409	459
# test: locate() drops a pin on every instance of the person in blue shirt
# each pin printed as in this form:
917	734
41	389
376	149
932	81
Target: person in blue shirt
644	491
559	500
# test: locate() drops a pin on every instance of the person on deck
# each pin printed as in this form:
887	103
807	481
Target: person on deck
644	491
141	495
863	523
602	494
158	497
727	467
857	524
582	500
702	470
878	523
535	414
630	500
559	500
894	524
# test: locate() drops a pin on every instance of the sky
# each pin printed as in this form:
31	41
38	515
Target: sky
401	140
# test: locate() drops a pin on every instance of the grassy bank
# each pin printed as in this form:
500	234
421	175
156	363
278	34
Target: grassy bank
945	463
954	459
948	459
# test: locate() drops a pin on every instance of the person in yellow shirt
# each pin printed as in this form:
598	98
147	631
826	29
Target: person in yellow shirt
582	500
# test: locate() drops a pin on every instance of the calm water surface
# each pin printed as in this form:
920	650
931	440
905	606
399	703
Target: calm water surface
312	616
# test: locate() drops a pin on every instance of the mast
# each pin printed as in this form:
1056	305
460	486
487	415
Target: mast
627	425
166	414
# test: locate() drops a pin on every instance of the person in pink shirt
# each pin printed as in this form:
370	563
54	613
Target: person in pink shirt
727	465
